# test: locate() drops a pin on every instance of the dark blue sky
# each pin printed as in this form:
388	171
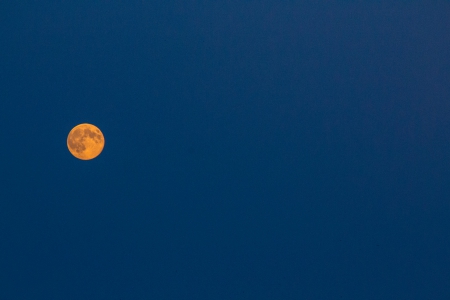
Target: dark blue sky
254	150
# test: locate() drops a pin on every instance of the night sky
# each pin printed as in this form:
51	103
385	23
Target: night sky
254	150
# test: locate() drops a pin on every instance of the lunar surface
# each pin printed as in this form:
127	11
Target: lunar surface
85	141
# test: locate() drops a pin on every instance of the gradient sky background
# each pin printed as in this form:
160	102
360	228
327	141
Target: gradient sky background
254	150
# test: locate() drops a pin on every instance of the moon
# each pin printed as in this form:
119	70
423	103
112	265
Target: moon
85	141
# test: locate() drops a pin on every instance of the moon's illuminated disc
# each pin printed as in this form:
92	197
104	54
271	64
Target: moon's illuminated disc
85	141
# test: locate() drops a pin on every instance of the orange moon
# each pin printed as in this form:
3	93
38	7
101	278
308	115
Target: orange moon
85	141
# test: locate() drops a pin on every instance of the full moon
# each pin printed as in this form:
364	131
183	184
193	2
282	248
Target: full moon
85	141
